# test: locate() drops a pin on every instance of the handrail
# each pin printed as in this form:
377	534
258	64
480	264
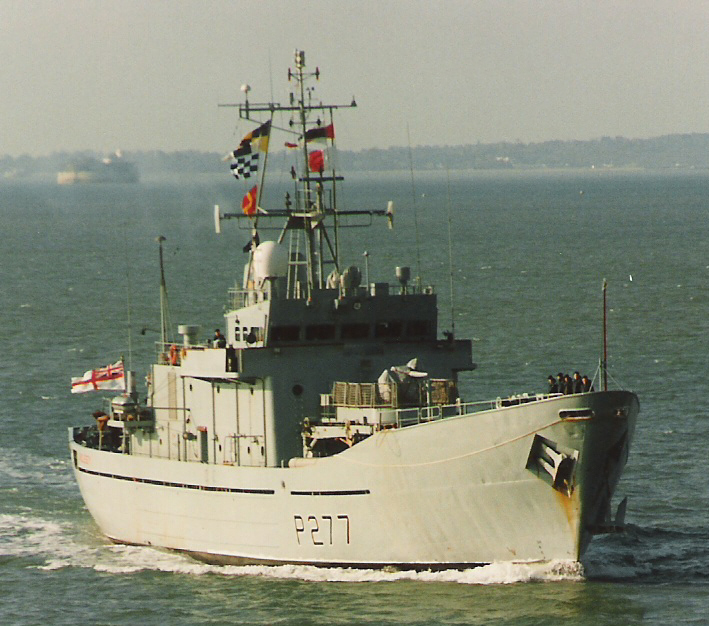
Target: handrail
241	297
434	412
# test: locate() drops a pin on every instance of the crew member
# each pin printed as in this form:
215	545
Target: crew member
553	385
578	383
560	383
219	339
587	384
568	385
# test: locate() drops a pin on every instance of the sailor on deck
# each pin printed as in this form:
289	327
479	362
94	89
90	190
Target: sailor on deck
219	340
553	385
578	383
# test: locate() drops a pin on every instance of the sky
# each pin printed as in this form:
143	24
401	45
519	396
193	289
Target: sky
148	74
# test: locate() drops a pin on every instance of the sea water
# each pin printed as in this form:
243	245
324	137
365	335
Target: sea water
524	263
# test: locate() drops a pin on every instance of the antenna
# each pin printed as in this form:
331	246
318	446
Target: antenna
128	301
164	308
604	363
416	217
450	252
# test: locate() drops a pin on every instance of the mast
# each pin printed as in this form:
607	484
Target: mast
164	309
306	216
302	114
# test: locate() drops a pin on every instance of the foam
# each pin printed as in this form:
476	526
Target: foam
27	469
23	535
131	559
61	544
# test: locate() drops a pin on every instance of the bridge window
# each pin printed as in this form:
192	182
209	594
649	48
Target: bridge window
320	332
285	333
388	330
417	328
355	331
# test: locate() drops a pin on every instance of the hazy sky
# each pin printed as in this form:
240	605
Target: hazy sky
149	74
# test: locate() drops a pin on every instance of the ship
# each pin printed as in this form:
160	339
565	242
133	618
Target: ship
110	169
326	427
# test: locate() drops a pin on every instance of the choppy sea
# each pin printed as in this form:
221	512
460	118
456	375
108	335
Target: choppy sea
79	281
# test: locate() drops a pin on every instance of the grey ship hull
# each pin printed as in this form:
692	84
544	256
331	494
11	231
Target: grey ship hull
527	482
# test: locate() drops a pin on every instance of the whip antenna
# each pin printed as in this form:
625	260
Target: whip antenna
128	302
164	308
604	363
450	252
416	217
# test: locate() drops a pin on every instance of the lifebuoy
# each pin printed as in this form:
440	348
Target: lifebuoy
173	354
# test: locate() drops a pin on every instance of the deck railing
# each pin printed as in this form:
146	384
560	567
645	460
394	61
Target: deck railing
433	412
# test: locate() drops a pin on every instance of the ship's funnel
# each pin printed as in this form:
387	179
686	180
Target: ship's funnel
403	274
189	334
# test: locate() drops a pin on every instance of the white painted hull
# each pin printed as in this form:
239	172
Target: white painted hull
448	493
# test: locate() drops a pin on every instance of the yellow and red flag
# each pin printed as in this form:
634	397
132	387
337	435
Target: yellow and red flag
249	203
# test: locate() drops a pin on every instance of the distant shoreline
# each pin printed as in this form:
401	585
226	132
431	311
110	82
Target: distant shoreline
688	152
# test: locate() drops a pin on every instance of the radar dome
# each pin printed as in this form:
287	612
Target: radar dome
270	261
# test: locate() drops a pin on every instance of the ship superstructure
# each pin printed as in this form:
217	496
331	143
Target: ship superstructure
110	169
326	426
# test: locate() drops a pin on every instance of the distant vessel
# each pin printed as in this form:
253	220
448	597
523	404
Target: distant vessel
113	169
326	427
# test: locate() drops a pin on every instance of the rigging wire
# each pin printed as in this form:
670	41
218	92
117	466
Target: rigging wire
128	299
416	219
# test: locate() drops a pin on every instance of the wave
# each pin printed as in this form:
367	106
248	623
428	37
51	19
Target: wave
134	559
650	554
60	545
50	543
25	469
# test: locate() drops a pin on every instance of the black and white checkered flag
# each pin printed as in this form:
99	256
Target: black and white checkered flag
247	153
245	165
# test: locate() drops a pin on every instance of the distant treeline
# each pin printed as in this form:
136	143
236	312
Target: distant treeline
667	152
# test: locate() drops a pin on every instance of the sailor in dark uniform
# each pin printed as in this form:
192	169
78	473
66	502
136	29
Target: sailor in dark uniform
560	383
587	385
578	383
219	339
553	385
568	385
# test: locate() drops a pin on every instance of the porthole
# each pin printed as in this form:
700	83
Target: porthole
297	390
